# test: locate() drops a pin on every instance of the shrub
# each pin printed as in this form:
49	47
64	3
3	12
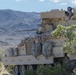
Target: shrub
74	70
30	72
44	70
55	70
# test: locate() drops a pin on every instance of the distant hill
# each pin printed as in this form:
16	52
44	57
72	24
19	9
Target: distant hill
12	21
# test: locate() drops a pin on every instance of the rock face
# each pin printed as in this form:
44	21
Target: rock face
13	23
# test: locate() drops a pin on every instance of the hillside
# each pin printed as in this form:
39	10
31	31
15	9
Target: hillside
13	21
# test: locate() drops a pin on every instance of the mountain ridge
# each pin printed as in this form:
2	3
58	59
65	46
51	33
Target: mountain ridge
12	21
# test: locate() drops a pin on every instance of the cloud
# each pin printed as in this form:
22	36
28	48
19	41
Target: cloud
41	0
18	0
73	1
63	4
55	0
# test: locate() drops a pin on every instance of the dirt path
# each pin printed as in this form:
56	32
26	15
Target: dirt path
3	71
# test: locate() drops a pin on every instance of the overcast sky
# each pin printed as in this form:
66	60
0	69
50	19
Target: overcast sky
36	5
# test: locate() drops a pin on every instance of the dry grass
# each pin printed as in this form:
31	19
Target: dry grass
3	70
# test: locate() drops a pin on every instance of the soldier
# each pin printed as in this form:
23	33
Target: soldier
69	12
